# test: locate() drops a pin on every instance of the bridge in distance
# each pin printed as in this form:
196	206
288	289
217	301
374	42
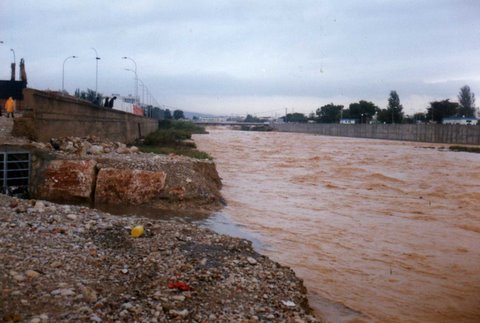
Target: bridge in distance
230	123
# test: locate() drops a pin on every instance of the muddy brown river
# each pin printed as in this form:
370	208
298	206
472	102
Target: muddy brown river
379	230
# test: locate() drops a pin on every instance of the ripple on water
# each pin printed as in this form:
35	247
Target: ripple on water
374	227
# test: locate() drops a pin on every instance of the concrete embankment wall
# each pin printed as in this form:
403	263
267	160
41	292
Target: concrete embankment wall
50	115
435	133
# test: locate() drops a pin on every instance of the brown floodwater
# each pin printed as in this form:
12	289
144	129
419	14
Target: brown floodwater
379	230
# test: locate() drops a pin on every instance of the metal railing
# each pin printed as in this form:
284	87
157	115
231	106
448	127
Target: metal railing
14	172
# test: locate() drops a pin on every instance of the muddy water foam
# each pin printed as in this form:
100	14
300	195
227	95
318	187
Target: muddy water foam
387	229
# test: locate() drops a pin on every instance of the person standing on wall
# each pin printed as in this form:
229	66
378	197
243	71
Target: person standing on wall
10	107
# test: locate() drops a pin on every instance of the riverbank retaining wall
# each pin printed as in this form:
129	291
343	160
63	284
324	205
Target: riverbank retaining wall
50	115
435	133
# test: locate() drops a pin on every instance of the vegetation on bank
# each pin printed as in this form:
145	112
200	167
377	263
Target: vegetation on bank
368	112
174	137
365	111
465	148
256	128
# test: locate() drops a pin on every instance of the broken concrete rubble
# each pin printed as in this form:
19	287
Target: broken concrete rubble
67	180
88	170
128	186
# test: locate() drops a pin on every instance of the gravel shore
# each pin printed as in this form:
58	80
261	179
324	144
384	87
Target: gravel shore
70	263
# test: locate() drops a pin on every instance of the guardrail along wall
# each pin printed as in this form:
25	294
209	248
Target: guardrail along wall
435	133
50	115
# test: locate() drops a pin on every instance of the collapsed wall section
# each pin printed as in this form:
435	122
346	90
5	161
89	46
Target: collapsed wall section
128	186
161	182
66	180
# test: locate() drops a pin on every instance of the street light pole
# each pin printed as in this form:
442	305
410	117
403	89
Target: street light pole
143	91
149	111
136	77
96	70
136	81
63	72
14	59
14	64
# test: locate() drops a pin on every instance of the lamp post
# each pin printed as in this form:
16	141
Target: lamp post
14	59
136	77
14	64
136	82
63	71
143	91
96	70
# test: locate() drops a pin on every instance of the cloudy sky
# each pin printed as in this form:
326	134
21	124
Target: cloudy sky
259	57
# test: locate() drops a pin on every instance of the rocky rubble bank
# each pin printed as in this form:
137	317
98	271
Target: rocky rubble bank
72	263
93	171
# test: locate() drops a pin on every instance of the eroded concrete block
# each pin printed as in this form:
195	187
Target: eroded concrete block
128	186
67	181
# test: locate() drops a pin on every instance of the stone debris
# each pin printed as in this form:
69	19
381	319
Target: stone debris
66	178
90	145
251	261
88	170
288	303
32	274
128	186
6	126
83	268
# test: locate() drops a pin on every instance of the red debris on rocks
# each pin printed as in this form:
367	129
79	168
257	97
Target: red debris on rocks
179	285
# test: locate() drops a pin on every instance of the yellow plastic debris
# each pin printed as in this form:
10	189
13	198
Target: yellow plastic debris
138	231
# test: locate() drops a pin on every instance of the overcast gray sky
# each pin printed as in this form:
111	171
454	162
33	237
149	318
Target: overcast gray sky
237	57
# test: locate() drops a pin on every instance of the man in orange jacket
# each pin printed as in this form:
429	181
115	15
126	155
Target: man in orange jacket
10	107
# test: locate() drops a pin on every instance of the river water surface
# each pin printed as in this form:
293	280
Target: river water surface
378	230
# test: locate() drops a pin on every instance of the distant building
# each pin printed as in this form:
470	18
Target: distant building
348	121
460	120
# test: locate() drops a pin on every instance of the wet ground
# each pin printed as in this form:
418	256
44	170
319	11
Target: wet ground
378	229
217	221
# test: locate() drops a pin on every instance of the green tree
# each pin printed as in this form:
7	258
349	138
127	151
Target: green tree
329	113
384	116
178	114
89	95
441	109
296	117
467	102
395	108
394	111
363	111
420	117
168	114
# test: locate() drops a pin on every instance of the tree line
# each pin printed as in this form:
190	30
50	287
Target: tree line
367	112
